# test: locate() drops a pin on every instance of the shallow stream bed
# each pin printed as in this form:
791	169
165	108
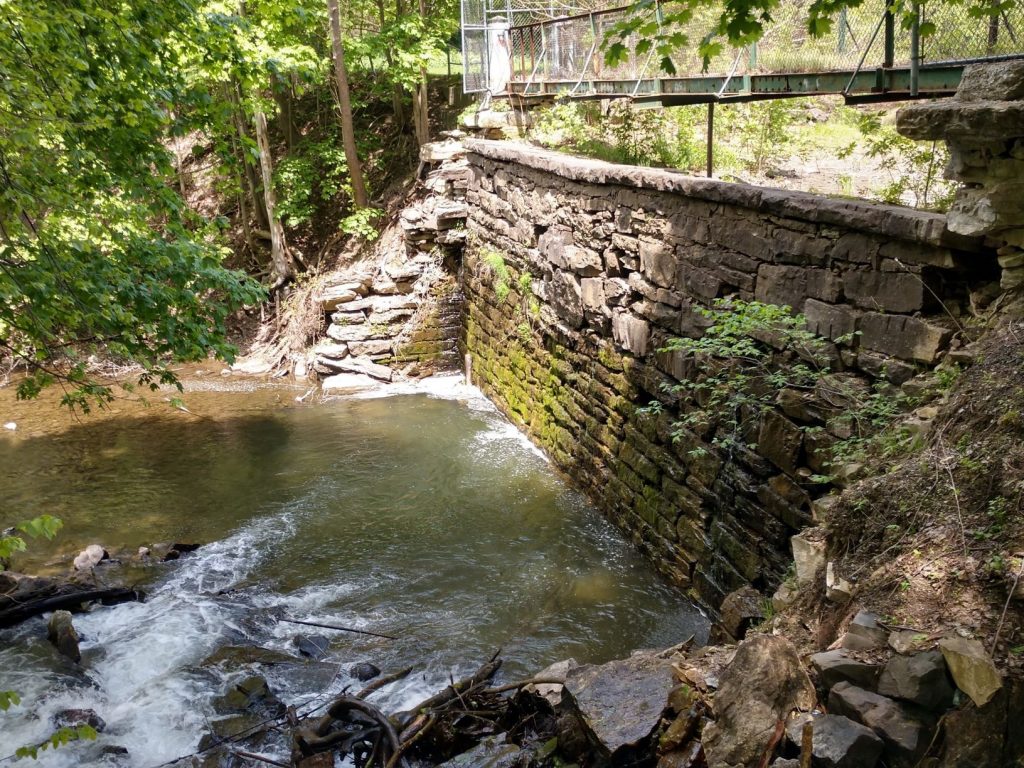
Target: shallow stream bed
422	514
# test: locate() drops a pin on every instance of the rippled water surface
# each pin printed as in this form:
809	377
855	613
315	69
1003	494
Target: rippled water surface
423	515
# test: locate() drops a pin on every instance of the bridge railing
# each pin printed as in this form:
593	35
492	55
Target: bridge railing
566	54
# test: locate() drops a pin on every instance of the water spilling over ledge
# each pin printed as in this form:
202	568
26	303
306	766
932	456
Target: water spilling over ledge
424	514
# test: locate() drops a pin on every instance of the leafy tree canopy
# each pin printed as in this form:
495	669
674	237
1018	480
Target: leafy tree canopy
736	23
96	248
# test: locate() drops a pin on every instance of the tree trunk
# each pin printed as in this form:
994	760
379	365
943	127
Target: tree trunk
259	208
281	89
348	139
421	112
282	266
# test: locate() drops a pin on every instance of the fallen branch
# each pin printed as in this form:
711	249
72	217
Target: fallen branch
261	758
19	613
339	628
380	682
453	692
524	683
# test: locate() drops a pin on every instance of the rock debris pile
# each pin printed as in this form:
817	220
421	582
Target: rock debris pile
400	314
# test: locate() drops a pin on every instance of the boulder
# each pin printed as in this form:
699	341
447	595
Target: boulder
690	756
864	633
248	693
972	668
61	632
492	752
363	671
907	641
90	557
740	609
972	736
906	732
311	646
552	692
746	713
920	679
620	703
76	718
838	666
237	655
837	741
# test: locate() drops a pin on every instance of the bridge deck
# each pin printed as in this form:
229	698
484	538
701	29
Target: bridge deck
533	54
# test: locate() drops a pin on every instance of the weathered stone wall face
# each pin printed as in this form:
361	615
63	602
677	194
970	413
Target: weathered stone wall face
578	272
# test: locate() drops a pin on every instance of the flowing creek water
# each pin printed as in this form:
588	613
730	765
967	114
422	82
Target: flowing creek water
422	514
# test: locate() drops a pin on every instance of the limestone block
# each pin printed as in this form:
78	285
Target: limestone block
970	123
809	555
919	679
699	283
885	291
631	333
998	81
779	441
658	262
747	714
832	321
837	741
566	298
972	668
837	666
583	261
592	292
906	735
904	337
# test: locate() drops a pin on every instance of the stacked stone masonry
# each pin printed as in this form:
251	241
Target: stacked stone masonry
578	272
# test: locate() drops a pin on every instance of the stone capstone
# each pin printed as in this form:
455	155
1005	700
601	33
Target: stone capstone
746	715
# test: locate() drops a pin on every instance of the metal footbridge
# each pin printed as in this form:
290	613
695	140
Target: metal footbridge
536	51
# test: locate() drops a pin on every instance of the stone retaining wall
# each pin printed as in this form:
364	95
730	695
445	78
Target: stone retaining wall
578	272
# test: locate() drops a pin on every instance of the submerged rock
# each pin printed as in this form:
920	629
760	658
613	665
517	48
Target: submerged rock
247	693
75	718
311	646
764	683
61	632
90	557
364	671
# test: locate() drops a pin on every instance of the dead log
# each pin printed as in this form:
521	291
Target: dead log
15	615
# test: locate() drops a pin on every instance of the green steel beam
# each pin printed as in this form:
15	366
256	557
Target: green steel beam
865	85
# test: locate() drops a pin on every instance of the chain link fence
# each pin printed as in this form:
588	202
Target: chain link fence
564	46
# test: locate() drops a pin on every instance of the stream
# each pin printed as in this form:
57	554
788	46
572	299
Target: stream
423	514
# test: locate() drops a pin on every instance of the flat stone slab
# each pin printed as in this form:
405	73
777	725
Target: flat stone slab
348	382
621	702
